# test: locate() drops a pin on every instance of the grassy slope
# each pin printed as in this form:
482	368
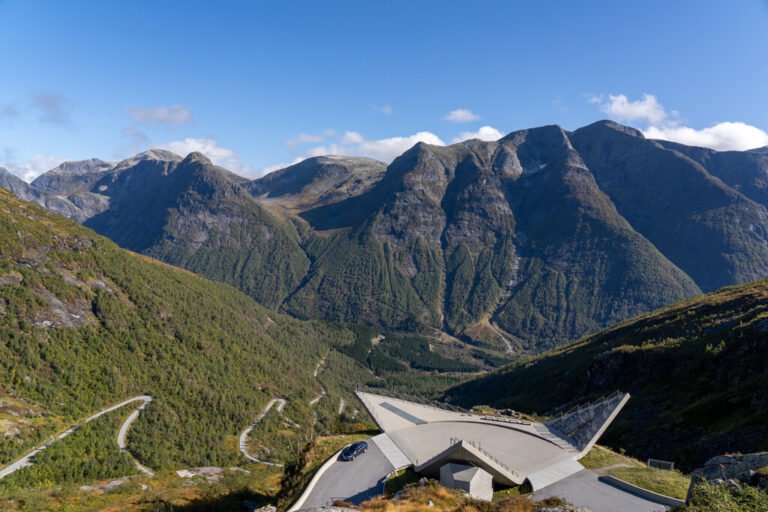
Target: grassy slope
696	372
606	462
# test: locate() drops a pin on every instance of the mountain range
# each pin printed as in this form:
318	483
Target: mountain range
519	244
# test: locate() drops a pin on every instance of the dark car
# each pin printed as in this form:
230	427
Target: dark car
353	450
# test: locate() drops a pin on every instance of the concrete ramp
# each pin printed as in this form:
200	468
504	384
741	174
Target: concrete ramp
584	424
391	451
554	473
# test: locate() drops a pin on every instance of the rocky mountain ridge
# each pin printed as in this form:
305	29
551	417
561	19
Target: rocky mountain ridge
522	243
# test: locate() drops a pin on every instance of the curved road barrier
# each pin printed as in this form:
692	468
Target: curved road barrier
27	460
312	483
244	435
639	491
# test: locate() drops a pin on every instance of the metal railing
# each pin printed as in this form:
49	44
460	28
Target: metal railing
503	419
665	465
587	405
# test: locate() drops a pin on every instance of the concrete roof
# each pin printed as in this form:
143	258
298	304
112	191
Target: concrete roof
511	452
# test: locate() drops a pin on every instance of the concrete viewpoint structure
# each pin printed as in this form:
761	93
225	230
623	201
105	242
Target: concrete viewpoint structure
512	451
475	481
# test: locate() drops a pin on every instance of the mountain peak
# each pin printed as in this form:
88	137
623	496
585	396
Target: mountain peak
160	155
607	124
551	134
197	157
82	166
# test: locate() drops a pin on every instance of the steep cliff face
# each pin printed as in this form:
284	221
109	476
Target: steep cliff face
515	232
196	215
714	233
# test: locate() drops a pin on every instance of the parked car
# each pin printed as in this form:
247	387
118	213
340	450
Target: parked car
353	450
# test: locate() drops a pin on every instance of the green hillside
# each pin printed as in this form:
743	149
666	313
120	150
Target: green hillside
696	372
84	324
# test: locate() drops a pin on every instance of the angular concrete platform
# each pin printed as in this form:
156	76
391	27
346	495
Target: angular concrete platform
513	451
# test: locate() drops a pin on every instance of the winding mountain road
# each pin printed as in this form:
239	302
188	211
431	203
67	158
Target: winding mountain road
27	460
244	435
319	397
123	433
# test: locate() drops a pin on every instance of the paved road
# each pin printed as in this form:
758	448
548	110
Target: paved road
317	398
320	364
280	402
584	489
354	481
123	433
27	459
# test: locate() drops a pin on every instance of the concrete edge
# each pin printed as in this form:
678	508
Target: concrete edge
607	423
312	483
643	493
386	478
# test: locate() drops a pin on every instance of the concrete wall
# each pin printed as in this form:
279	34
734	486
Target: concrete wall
479	487
643	493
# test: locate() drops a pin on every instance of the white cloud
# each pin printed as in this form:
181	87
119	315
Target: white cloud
390	148
619	107
34	167
658	123
384	109
219	155
175	115
461	115
352	143
352	138
484	133
722	136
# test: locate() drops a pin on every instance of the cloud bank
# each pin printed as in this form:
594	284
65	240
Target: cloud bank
483	133
31	169
659	123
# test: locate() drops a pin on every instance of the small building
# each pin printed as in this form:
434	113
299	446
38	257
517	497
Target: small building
475	481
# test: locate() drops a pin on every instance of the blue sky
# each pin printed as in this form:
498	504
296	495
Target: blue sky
260	84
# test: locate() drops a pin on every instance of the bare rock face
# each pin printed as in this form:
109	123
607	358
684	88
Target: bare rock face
318	180
734	470
71	177
16	185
